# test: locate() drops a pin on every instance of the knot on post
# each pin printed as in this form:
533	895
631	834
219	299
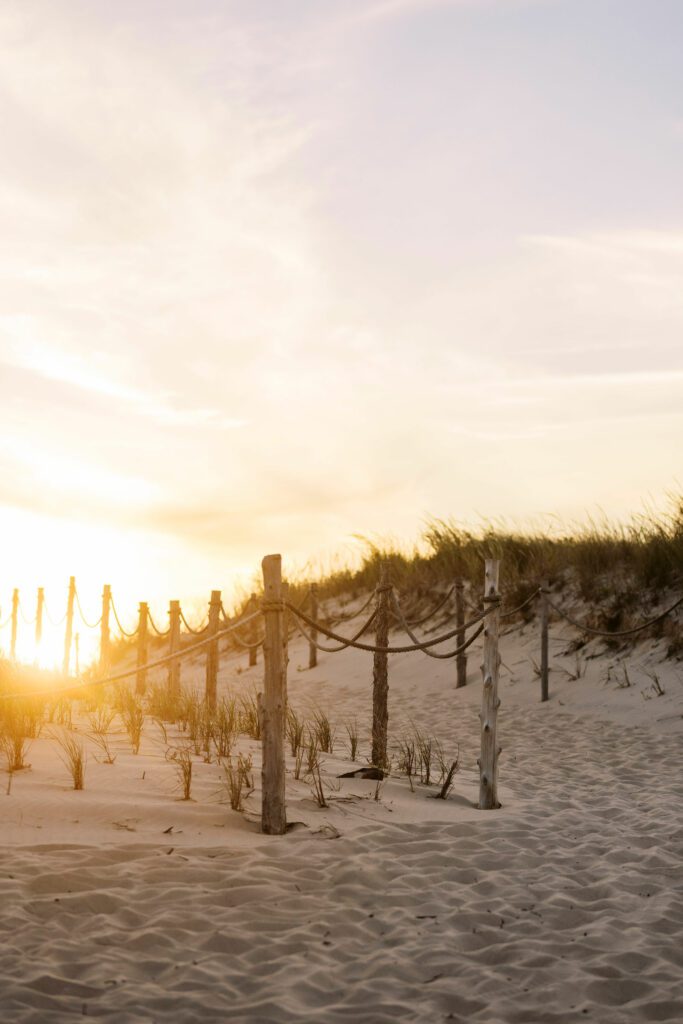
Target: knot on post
272	606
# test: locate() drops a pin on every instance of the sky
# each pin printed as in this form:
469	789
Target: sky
279	273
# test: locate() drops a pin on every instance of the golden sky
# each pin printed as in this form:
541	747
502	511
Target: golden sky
276	274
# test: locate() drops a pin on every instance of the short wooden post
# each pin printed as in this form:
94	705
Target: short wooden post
313	605
380	674
272	703
105	639
544	643
488	762
40	604
173	646
212	649
460	659
253	632
15	622
143	620
68	631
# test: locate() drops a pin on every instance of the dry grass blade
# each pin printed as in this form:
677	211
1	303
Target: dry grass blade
182	760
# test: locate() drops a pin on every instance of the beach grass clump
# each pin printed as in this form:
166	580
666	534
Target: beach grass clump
250	719
181	757
238	780
352	733
295	730
323	731
101	720
225	725
132	713
73	756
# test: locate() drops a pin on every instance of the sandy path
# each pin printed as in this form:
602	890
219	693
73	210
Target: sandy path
565	905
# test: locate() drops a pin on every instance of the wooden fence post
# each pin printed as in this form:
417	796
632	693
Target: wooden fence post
488	762
143	619
15	620
253	632
39	617
284	590
312	649
68	631
380	674
173	645
544	643
272	703
460	659
212	649
105	640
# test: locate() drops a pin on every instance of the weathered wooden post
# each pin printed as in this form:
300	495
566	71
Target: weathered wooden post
488	762
39	617
460	659
380	674
253	632
312	649
544	643
68	631
212	649
15	621
173	645
272	703
143	620
105	639
284	590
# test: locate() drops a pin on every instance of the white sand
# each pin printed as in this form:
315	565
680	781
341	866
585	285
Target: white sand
566	904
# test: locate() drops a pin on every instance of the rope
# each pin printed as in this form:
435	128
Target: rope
416	640
387	650
155	628
189	628
127	673
342	647
49	617
514	611
118	620
435	609
90	625
6	622
621	632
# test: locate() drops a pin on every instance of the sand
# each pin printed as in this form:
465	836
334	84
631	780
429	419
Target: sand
126	904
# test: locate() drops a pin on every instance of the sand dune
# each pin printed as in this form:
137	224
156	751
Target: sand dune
567	904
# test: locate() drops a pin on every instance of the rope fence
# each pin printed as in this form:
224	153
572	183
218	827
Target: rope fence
280	619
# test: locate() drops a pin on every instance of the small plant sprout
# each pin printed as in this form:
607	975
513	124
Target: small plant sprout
324	733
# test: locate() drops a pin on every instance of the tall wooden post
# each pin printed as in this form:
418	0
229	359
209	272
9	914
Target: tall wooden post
143	620
15	621
68	631
312	649
253	632
544	643
173	645
488	762
105	639
212	649
380	674
460	659
284	590
40	603
272	703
